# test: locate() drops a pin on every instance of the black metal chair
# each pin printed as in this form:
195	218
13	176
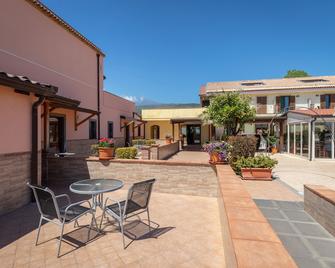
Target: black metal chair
137	202
47	203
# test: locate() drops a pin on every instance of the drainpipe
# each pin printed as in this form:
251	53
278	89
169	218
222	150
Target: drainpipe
98	91
311	139
34	140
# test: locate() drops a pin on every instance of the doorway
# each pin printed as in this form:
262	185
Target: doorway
57	134
193	134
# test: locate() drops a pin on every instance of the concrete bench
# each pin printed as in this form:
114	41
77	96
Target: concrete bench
319	202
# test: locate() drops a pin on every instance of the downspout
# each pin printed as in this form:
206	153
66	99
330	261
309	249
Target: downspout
311	139
34	140
98	91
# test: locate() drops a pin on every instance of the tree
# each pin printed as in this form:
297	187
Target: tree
296	73
231	111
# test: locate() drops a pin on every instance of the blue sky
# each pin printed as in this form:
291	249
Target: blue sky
165	49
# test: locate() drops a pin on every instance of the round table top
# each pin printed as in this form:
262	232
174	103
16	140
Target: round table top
95	186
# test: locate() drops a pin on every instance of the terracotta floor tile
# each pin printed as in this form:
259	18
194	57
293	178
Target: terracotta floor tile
248	214
247	230
262	254
239	202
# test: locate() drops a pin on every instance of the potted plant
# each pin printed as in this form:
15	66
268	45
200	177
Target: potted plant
218	152
255	168
106	148
272	140
168	139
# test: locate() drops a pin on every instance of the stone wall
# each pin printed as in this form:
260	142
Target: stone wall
167	150
83	147
172	177
319	202
14	174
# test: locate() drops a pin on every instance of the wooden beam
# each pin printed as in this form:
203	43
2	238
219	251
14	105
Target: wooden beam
173	131
50	110
77	124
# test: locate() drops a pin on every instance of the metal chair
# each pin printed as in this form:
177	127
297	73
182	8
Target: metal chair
47	203
137	202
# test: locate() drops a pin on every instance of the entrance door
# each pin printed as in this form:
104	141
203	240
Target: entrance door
193	134
127	138
57	134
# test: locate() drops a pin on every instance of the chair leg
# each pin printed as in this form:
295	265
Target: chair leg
39	229
102	218
95	222
89	230
148	219
60	240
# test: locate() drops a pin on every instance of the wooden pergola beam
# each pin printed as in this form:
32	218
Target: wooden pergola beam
77	124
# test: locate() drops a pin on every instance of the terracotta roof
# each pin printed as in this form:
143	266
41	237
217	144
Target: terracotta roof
46	11
315	112
270	84
8	79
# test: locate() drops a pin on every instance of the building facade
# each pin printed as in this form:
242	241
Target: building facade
51	96
274	98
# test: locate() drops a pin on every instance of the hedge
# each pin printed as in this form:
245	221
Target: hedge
143	142
126	152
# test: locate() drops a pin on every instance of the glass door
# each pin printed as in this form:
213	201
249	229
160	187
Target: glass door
193	134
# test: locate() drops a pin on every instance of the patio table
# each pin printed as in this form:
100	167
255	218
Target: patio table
96	188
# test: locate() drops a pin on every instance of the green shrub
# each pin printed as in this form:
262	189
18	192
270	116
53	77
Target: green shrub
259	161
126	152
241	146
94	149
139	142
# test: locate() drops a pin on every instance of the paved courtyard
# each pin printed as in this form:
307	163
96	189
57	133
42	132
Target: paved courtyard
296	172
191	154
187	234
310	245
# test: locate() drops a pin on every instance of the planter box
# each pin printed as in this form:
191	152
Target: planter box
263	174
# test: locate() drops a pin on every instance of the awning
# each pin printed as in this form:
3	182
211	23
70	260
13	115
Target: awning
184	120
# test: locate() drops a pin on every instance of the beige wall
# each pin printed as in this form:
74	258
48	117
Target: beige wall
167	114
15	118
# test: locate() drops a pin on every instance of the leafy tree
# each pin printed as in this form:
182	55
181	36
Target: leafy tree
231	111
296	73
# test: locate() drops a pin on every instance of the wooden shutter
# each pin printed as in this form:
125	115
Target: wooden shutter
322	101
277	104
261	105
292	103
332	101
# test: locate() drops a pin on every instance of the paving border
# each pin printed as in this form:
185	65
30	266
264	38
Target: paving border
248	238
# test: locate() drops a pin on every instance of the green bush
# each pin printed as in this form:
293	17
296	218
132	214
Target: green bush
94	149
126	152
139	142
241	146
259	161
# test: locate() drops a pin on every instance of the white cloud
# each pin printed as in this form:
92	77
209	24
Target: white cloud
131	98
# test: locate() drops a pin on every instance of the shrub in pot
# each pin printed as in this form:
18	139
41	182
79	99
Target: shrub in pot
218	151
126	152
141	142
241	146
106	148
255	168
272	140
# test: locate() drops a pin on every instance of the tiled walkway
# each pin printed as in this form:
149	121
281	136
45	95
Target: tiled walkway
307	242
189	235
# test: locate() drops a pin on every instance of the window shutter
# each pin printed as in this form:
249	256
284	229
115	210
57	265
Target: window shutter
261	105
277	104
292	103
322	101
332	101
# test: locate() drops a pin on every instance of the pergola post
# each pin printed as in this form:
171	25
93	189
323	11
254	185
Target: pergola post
173	131
46	126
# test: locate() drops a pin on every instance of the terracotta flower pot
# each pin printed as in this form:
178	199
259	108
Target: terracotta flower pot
106	153
274	150
168	140
264	174
214	158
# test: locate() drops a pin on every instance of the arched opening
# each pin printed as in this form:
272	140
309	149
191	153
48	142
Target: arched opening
155	132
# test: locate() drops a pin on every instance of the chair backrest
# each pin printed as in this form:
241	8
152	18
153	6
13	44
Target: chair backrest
139	196
46	201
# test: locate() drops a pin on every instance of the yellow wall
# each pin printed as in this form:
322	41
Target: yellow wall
165	128
167	114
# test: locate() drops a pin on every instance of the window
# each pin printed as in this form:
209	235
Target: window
261	105
327	101
252	83
205	103
93	130
110	129
284	103
155	132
